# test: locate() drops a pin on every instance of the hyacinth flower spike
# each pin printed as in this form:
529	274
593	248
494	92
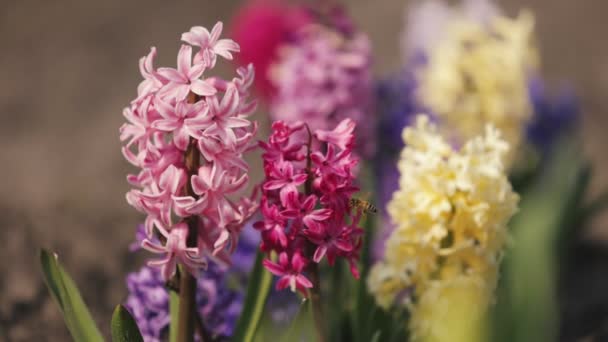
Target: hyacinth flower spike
187	134
305	208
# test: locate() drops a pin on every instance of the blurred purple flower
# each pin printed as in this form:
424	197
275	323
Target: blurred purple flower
220	291
554	114
396	107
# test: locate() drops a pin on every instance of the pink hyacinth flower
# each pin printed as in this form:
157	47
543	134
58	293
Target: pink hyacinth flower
175	251
210	44
186	78
225	116
184	120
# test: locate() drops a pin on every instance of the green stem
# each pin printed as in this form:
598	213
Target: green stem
187	292
315	298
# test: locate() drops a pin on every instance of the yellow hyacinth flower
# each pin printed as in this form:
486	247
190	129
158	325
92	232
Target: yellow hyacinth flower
477	74
450	215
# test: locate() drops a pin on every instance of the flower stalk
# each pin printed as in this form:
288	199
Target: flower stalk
187	294
317	305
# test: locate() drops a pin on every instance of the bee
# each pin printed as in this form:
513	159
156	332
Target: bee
365	206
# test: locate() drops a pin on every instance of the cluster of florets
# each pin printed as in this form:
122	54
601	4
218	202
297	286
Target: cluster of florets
323	76
305	202
477	74
187	134
450	214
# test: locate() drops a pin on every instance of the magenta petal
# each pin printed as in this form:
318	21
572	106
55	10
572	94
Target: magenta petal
303	281
320	214
343	245
319	253
283	283
273	268
298	262
299	179
282	238
273	184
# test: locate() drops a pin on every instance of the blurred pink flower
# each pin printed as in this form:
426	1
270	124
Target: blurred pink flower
322	77
260	27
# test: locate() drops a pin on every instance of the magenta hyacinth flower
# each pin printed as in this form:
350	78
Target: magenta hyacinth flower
187	135
290	272
305	201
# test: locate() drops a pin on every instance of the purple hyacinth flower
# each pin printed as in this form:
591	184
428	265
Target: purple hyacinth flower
219	298
554	114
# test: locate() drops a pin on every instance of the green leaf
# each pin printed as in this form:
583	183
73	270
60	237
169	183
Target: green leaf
77	317
124	328
368	319
301	319
526	308
255	300
364	303
174	312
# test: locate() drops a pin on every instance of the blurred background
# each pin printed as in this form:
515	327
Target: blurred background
69	67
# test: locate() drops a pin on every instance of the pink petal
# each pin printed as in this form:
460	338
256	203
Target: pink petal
152	247
237	122
202	88
184	59
168	269
224	46
181	138
165	125
222	239
230	101
196	71
172	75
216	31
